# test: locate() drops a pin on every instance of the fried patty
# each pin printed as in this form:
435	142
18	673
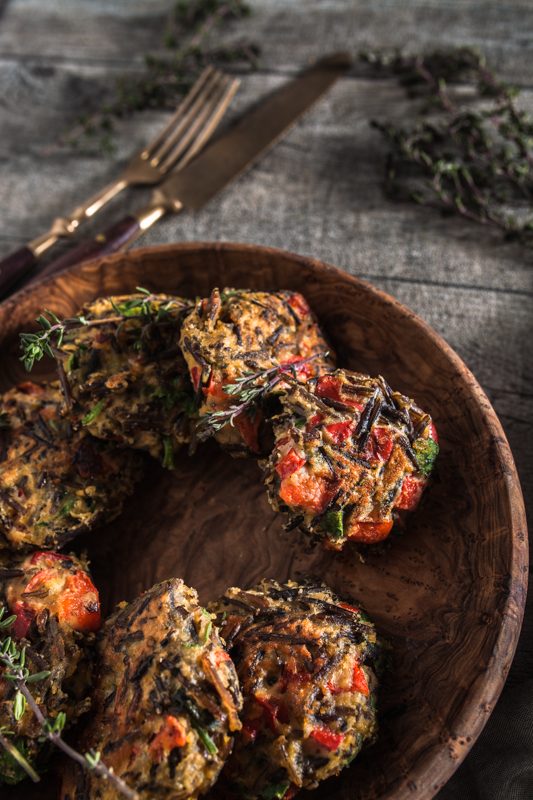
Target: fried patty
240	332
55	483
56	610
308	665
125	378
351	458
167	700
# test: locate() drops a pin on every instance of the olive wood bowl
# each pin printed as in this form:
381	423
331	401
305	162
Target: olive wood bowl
449	595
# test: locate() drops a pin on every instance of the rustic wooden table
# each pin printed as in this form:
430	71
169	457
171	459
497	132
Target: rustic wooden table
317	193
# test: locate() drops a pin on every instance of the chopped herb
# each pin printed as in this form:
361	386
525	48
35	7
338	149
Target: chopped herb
4	420
300	423
94	413
426	451
168	457
67	507
206	739
333	523
276	790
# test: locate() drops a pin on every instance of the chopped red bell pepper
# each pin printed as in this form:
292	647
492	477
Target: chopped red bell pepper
313	422
38	580
48	557
412	489
195	376
220	657
251	726
349	608
369	532
297	678
433	433
25	615
299	304
308	491
328	386
332	741
340	431
305	371
291	791
379	446
359	683
79	604
274	711
289	464
171	734
249	429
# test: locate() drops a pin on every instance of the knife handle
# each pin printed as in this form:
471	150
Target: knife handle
103	244
14	266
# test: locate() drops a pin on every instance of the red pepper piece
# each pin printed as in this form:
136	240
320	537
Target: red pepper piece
433	433
379	446
171	734
313	422
305	371
251	726
308	491
25	615
370	532
299	304
289	464
328	386
79	604
296	678
291	791
340	431
359	683
48	557
274	711
282	442
249	430
195	376
38	580
332	741
349	608
220	656
411	493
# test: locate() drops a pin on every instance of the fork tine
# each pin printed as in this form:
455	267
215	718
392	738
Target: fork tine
180	112
211	124
195	125
187	119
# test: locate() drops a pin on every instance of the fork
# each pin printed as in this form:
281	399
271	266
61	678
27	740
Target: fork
172	149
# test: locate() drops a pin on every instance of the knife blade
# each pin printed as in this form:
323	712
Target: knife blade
219	164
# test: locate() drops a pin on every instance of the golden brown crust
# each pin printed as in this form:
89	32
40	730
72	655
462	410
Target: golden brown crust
351	458
307	663
55	483
242	331
167	699
127	378
57	611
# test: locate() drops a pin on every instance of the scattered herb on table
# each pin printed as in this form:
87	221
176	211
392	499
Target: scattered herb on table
471	159
167	78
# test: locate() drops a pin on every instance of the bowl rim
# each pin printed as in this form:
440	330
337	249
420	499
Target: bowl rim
432	770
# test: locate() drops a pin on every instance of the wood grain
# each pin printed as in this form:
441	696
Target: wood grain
450	594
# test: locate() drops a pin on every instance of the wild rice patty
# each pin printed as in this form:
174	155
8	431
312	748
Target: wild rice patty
55	483
308	666
57	610
351	458
126	378
167	700
240	332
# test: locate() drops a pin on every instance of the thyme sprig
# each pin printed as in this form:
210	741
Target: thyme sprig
167	79
17	674
36	345
251	391
473	161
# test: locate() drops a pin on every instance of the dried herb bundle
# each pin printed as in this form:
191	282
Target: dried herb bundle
473	159
167	79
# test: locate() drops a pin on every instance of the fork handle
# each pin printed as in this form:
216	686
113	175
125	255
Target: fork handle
14	266
103	244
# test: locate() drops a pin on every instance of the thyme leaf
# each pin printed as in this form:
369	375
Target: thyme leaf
470	158
251	391
15	672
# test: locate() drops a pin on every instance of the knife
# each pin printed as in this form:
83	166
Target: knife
219	164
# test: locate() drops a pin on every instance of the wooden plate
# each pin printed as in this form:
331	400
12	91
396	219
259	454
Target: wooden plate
449	595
